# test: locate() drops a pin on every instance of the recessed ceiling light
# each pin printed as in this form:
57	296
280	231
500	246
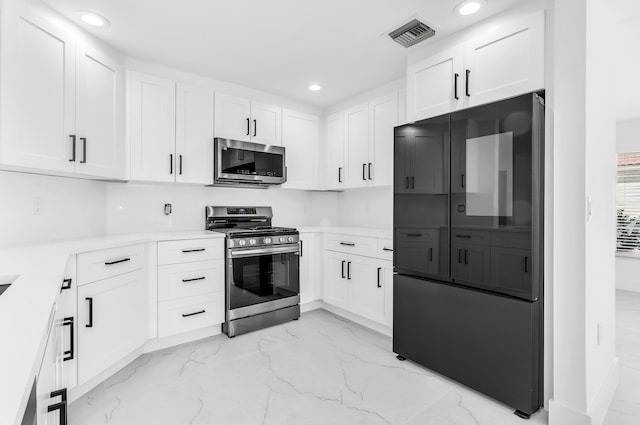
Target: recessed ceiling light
94	19
469	7
314	87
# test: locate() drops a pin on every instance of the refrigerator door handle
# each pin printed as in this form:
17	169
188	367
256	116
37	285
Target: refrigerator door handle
459	256
466	255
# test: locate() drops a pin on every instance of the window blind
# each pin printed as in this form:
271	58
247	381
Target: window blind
628	203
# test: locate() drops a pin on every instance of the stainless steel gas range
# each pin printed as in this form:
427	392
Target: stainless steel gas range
262	268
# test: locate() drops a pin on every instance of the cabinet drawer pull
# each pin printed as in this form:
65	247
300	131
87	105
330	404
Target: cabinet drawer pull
413	182
194	279
406	183
301	248
526	264
193	314
348	270
343	276
379	270
347	244
255	128
414	235
84	150
90	324
369	171
180	160
66	284
463	236
364	172
170	163
339	174
462	180
186	251
455	85
459	256
248	126
466	256
466	84
61	407
111	263
68	354
73	147
430	254
387	249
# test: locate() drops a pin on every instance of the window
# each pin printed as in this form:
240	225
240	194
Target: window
628	203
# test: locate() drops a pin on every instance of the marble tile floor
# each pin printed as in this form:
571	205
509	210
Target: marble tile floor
625	408
320	369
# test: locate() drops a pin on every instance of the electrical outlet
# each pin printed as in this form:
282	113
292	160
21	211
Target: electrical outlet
37	206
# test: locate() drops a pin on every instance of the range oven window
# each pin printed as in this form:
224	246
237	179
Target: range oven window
261	278
250	163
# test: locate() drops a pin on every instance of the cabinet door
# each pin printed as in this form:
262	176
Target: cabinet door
38	91
99	114
300	139
153	128
402	144
335	135
112	320
266	124
309	273
511	270
383	117
471	263
194	134
233	117
426	156
435	85
357	141
49	375
366	297
506	62
385	279
335	279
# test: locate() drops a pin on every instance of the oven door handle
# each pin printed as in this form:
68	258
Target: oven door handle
240	253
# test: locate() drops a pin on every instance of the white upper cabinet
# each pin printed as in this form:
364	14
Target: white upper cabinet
242	119
300	140
194	134
335	143
383	117
153	128
508	60
61	102
435	85
99	117
356	122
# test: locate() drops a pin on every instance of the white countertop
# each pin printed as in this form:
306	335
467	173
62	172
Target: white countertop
26	306
370	232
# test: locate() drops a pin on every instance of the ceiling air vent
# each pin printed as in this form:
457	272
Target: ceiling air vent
412	33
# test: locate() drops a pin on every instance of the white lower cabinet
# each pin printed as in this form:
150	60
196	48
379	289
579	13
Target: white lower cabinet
366	297
112	322
310	272
385	280
188	314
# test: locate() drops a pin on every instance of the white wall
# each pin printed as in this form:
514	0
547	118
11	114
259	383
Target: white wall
138	207
370	207
70	208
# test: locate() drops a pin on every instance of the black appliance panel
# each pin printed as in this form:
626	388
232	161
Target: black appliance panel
251	163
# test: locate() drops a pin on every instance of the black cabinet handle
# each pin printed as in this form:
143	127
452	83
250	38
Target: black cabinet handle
193	280
180	159
193	314
248	126
61	406
347	244
406	184
111	263
84	150
466	256
73	147
255	128
462	180
343	276
379	270
90	324
387	249
455	85
170	163
339	174
369	171
301	248
413	182
66	284
348	270
430	254
414	235
459	256
364	171
466	84
68	354
526	264
186	251
463	236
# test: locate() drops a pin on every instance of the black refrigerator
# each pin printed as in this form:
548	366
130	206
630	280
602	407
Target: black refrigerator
468	248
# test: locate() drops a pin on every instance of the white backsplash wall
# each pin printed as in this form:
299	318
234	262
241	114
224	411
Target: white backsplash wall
139	207
370	207
68	208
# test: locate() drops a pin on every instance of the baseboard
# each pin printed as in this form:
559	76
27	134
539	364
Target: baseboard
179	339
560	414
378	327
313	305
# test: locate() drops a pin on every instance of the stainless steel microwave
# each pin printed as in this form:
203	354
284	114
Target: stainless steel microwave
240	163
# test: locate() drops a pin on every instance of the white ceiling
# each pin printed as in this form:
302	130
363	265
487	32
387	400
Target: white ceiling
280	46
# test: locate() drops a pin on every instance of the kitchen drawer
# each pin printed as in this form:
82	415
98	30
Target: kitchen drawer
190	279
172	252
385	249
177	316
511	239
358	245
98	265
475	237
417	235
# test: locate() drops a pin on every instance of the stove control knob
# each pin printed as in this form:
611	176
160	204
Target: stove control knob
242	242
252	241
267	240
231	243
283	239
291	239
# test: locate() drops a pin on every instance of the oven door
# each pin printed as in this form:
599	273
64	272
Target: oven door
245	162
262	279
